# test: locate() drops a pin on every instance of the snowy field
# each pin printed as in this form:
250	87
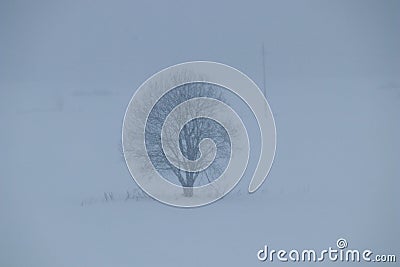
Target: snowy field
334	177
64	91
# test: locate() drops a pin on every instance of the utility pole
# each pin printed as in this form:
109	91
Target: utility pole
264	71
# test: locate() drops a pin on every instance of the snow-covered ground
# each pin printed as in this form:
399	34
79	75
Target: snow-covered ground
64	88
335	175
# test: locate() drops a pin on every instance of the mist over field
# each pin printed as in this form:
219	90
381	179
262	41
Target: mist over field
68	70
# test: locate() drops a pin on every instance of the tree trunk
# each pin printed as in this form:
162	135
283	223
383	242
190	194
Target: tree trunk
188	191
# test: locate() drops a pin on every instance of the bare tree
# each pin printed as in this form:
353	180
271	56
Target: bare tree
189	136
